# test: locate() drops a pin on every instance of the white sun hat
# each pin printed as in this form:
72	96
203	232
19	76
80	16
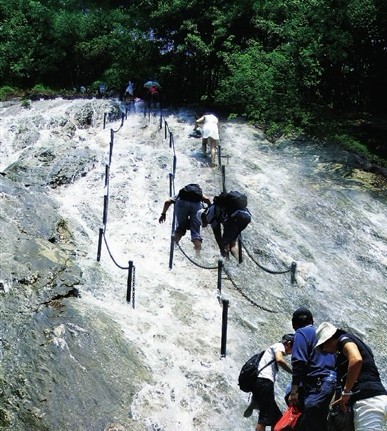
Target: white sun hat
324	332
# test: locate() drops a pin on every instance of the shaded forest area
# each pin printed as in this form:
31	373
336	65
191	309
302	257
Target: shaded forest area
310	65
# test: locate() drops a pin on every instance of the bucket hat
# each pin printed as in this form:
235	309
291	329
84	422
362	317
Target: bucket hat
324	332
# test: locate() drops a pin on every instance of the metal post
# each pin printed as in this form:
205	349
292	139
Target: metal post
171	251
172	247
170	185
165	131
104	119
106	175
224	178
99	244
134	289
240	248
174	165
129	281
293	270
225	303
220	267
219	156
105	209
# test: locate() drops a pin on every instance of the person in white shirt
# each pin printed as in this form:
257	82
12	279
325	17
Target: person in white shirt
210	134
263	398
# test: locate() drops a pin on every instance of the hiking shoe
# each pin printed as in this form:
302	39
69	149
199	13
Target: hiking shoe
249	411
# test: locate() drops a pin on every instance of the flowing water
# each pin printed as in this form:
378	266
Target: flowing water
308	208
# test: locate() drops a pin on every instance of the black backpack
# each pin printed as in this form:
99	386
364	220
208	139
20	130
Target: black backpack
249	372
191	192
231	201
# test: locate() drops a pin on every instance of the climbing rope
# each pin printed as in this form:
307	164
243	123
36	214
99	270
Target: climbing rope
244	295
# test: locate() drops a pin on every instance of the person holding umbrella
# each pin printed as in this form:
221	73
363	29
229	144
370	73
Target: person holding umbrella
153	94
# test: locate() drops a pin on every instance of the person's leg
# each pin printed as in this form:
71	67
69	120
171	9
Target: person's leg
251	407
194	226
234	250
182	210
269	413
212	143
316	406
370	414
204	145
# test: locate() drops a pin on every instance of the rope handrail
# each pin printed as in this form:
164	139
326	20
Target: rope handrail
252	302
192	261
270	271
110	254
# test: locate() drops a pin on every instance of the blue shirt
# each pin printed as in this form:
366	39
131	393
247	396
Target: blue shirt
307	362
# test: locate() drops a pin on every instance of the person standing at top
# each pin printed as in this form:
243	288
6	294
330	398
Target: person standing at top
153	96
210	134
187	203
130	90
358	375
263	398
313	376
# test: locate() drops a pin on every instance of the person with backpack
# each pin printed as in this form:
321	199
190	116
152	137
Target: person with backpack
263	398
228	217
358	376
313	376
187	203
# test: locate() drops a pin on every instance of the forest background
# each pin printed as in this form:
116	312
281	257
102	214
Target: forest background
312	66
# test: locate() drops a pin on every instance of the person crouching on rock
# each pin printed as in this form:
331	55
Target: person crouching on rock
187	203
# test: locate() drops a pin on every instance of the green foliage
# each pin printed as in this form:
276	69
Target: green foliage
352	144
272	61
8	92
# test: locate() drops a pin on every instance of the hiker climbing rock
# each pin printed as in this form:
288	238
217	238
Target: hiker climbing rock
187	203
262	388
314	375
210	134
229	210
360	383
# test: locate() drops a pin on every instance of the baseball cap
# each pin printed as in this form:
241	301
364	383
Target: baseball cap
302	317
302	311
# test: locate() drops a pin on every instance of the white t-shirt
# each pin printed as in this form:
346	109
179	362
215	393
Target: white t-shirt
210	126
271	370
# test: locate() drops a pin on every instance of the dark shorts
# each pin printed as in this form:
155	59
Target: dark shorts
263	395
235	225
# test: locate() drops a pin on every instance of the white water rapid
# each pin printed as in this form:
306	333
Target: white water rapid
306	208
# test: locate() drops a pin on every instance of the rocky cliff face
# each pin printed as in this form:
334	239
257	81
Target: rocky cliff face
40	283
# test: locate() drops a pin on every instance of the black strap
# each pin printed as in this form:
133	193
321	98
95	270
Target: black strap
269	363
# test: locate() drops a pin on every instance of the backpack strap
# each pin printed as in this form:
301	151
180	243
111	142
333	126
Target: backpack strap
269	363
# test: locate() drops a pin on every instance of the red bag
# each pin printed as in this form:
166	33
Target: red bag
288	420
